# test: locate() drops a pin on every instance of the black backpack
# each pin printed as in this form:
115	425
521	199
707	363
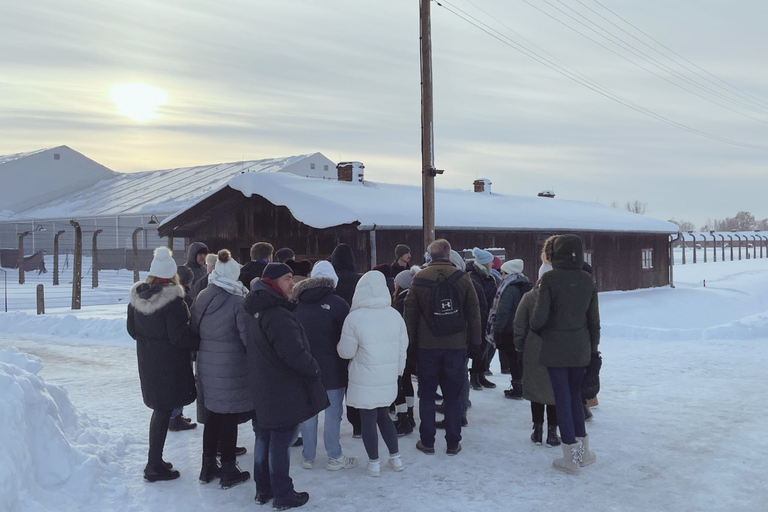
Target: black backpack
445	315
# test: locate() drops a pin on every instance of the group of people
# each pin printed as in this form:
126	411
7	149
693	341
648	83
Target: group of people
278	342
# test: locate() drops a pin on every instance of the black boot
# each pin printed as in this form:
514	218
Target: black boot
403	425
231	475
159	472
485	382
474	381
552	439
516	391
178	424
293	500
210	469
537	433
411	419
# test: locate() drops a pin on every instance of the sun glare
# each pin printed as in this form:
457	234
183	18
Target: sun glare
138	101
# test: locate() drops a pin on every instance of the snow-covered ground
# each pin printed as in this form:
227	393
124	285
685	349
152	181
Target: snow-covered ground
680	424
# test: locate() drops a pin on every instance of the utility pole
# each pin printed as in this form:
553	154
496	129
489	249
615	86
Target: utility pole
428	171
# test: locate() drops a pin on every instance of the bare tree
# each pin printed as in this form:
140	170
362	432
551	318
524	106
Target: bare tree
636	207
684	225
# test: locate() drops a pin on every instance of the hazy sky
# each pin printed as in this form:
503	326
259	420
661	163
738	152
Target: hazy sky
248	79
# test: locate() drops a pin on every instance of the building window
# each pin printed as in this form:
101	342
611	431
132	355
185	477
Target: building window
325	167
311	166
588	258
56	156
647	259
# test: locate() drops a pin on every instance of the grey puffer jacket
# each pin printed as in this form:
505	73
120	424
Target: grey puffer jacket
222	364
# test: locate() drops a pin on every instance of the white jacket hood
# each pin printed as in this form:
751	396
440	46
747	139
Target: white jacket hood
371	292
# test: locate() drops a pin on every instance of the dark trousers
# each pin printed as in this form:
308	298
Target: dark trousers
272	460
566	385
220	432
537	414
404	387
504	360
370	419
158	431
446	368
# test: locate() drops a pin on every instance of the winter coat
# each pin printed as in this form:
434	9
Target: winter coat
322	313
343	261
486	283
199	286
199	271
375	338
536	384
222	367
285	378
158	319
395	268
566	311
251	271
508	304
417	306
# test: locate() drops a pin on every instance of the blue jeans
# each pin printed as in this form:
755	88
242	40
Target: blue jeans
272	460
331	428
448	369
176	412
566	386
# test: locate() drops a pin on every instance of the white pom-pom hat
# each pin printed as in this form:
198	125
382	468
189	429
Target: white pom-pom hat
163	265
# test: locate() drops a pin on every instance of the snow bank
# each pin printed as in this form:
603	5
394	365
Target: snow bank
50	452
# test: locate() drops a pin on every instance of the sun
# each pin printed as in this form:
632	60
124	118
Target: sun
138	101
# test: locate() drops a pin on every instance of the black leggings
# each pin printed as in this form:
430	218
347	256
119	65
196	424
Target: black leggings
404	387
370	418
537	413
158	430
220	432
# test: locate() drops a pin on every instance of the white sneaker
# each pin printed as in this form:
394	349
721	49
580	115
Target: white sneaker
374	468
396	462
306	464
342	462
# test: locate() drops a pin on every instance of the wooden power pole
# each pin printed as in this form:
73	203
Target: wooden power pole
428	170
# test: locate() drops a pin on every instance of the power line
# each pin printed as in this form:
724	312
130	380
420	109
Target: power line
583	80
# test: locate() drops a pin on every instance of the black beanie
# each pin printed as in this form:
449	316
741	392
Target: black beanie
275	271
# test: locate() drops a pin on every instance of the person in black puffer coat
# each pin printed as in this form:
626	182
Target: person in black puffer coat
286	385
158	319
322	313
343	261
480	272
567	318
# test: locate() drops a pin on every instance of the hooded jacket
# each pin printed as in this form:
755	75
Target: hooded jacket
566	312
536	384
285	378
199	271
222	367
158	319
343	261
322	313
251	271
375	338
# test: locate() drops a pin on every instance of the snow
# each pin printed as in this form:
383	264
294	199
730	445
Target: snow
326	203
679	426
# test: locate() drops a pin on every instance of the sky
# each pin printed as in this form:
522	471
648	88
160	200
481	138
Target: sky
238	80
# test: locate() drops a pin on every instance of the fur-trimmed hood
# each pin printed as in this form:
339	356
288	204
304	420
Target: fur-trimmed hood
149	298
312	283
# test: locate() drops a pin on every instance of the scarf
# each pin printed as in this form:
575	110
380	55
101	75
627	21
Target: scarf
230	285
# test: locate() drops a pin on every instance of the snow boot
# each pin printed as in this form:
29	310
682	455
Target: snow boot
588	457
571	460
537	433
403	424
293	500
159	472
411	419
474	381
231	475
515	392
485	382
210	469
552	439
178	424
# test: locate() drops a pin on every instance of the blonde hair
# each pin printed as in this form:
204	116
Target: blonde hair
155	279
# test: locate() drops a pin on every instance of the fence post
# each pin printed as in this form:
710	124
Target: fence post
56	257
703	236
5	288
95	260
77	267
135	244
40	299
21	255
682	244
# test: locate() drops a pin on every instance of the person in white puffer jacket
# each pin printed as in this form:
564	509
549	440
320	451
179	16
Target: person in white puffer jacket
375	338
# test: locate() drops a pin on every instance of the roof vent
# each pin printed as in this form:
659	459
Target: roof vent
351	171
546	193
482	185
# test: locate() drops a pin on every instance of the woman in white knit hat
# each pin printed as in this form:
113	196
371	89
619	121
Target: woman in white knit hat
158	319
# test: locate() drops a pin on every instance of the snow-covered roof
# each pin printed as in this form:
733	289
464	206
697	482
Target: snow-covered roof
17	156
326	203
160	192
